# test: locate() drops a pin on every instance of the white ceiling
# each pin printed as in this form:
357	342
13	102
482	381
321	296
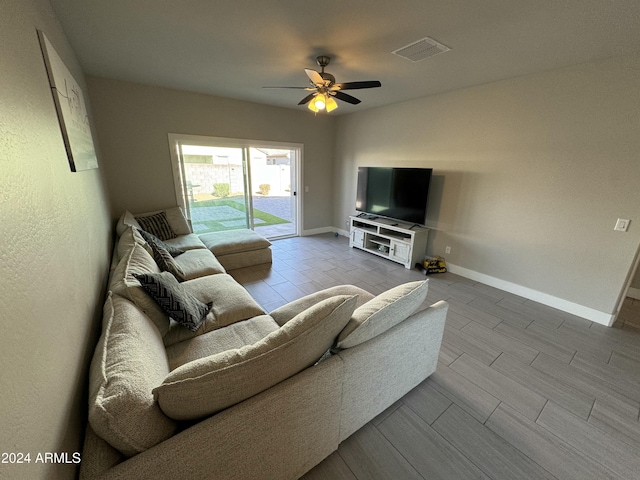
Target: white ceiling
232	48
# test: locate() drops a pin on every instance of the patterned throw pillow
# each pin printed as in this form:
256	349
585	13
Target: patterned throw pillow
166	262
174	299
157	225
150	238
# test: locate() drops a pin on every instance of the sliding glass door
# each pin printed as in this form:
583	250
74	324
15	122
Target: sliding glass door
225	184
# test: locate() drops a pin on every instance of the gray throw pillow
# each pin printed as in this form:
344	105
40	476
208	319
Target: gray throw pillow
151	239
174	299
166	263
158	225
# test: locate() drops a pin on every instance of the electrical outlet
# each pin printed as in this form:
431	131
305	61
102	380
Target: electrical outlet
447	249
621	225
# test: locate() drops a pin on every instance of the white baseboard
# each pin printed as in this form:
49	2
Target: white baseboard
318	231
634	293
588	313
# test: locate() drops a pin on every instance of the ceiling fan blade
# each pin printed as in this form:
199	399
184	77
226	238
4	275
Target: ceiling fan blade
307	98
345	98
298	88
356	85
314	76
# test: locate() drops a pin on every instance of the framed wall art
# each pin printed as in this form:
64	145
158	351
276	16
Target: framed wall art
71	109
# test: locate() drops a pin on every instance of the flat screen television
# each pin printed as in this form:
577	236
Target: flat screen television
396	193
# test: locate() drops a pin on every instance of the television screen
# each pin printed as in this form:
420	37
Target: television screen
397	193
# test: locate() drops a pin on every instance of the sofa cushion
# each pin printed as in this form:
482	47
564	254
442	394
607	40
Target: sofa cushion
234	241
253	258
383	312
128	238
217	341
128	363
198	262
231	304
174	299
210	384
122	282
190	241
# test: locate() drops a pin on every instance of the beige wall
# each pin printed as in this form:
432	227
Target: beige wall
54	254
133	121
530	175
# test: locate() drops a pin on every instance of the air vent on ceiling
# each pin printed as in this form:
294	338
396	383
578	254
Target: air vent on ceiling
421	49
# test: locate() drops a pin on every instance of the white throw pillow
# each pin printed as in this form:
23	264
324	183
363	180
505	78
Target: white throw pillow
383	312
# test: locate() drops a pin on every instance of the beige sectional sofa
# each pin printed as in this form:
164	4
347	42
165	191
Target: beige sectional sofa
230	391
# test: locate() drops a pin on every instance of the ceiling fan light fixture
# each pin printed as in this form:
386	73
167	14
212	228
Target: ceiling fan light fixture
320	101
311	106
331	104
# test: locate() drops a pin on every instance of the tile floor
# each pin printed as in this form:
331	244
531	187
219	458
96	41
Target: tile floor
629	318
522	391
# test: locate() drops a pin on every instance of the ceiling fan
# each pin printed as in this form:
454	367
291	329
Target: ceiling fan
325	89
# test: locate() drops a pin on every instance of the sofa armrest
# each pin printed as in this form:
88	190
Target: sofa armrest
280	433
382	370
285	313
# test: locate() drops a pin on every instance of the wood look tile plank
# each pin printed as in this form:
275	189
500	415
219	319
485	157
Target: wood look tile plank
545	385
625	363
501	342
427	402
448	278
289	291
467	395
624	339
321	278
263	293
495	456
431	455
622	424
382	416
275	303
370	456
448	353
526	401
591	337
573	341
582	381
547	450
502	313
331	467
614	454
546	310
545	318
535	340
463	293
497	294
467	343
627	384
456	320
475	314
